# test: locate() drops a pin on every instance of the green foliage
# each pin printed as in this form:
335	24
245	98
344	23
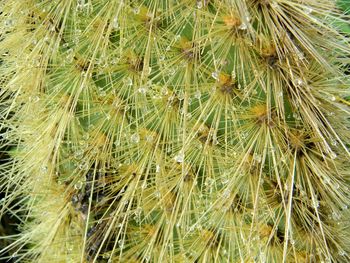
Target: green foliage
176	130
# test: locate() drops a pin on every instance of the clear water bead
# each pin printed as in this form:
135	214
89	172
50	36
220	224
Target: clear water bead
171	71
199	4
147	70
299	82
78	185
180	157
115	23
9	23
274	4
233	74
243	26
215	75
181	95
308	10
83	166
128	81
78	154
257	157
197	94
332	155
121	244
44	168
142	90
135	138
149	138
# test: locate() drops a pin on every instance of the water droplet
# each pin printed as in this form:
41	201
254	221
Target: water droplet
35	99
243	26
138	211
171	71
299	82
142	90
157	194
308	10
70	247
44	168
149	138
128	81
215	75
157	168
199	4
335	216
78	154
121	244
274	4
181	95
180	157
300	54
136	10
233	74
332	155
83	166
115	23
9	23
197	94
78	185
164	91
257	157
135	138
226	193
224	181
147	70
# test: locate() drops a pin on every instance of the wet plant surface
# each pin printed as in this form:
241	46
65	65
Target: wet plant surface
174	131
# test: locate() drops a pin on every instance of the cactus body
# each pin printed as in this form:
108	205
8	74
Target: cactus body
175	130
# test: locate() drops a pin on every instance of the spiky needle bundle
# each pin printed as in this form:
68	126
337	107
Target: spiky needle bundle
175	130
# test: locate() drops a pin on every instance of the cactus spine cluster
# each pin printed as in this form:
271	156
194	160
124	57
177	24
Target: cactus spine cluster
175	130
